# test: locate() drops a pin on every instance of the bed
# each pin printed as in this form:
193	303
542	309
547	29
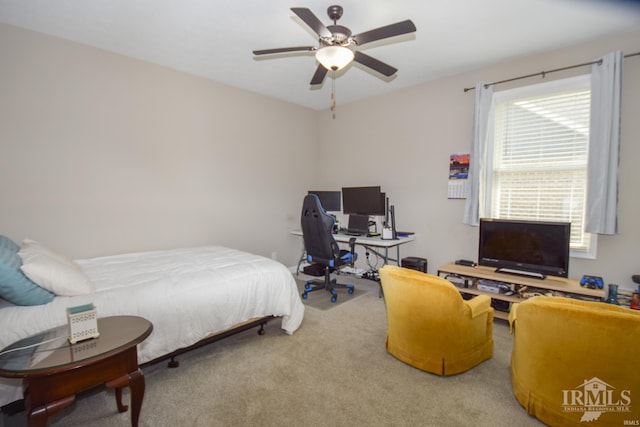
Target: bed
189	294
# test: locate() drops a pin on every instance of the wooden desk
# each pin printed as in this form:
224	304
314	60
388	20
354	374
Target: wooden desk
54	371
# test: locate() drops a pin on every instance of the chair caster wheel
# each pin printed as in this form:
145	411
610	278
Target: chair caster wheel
333	299
304	295
350	291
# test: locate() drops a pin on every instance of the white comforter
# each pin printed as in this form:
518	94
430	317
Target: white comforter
187	294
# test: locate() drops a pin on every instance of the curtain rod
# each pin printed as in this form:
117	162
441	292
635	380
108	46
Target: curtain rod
544	73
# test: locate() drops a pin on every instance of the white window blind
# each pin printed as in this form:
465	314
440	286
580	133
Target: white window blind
540	150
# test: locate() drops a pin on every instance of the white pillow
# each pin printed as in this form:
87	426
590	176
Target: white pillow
30	247
52	271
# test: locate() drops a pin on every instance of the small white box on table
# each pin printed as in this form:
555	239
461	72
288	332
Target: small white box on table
83	323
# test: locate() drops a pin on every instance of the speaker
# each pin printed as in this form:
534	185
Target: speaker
414	263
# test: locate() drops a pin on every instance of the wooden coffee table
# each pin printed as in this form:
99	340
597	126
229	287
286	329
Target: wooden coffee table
54	371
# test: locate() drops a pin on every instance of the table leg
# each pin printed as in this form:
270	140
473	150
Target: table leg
137	385
302	259
118	384
135	381
37	417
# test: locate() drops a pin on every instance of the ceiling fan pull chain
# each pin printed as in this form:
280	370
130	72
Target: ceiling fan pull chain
333	95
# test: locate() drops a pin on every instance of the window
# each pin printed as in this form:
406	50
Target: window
539	140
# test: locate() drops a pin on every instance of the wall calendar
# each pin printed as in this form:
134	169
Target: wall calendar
458	176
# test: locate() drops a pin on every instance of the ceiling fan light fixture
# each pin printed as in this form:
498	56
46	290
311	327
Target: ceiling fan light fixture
334	57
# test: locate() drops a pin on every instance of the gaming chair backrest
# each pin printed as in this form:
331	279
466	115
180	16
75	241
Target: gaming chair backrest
317	231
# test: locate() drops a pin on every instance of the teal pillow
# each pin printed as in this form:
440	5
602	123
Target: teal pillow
15	287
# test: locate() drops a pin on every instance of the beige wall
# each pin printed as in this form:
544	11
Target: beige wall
102	154
407	138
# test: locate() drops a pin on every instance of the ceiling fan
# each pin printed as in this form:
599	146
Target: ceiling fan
335	41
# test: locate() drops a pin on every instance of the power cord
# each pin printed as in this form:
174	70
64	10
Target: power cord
32	345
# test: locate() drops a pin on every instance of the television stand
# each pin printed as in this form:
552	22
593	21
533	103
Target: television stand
522	273
507	289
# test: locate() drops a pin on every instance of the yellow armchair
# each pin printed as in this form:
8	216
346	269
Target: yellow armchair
430	325
575	363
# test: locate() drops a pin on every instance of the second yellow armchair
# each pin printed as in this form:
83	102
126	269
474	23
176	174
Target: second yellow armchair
430	325
575	363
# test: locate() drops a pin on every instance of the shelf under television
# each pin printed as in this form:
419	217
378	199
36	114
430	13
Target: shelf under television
559	286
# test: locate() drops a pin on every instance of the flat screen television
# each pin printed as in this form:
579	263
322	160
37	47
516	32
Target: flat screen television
330	200
363	200
531	248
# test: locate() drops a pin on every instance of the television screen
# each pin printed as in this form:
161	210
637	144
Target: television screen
525	246
330	200
363	200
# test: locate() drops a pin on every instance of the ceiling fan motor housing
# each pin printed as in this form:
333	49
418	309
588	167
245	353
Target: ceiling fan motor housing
340	34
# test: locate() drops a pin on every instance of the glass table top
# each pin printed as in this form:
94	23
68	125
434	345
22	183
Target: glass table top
51	349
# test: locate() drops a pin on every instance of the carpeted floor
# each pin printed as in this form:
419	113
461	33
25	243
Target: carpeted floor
321	299
334	371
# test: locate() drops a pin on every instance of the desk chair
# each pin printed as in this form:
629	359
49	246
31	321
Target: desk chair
321	247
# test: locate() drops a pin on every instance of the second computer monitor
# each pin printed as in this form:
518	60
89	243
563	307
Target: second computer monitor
330	200
363	200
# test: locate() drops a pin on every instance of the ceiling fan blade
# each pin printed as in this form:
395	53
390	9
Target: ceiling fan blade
285	49
312	21
387	31
319	75
374	64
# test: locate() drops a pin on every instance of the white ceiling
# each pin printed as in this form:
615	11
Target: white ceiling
215	38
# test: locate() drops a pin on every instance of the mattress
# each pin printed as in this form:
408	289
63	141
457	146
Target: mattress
188	294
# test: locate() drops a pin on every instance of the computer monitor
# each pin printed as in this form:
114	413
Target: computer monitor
330	200
358	224
363	200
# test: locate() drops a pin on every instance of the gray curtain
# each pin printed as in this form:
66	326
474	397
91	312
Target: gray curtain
478	153
604	145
